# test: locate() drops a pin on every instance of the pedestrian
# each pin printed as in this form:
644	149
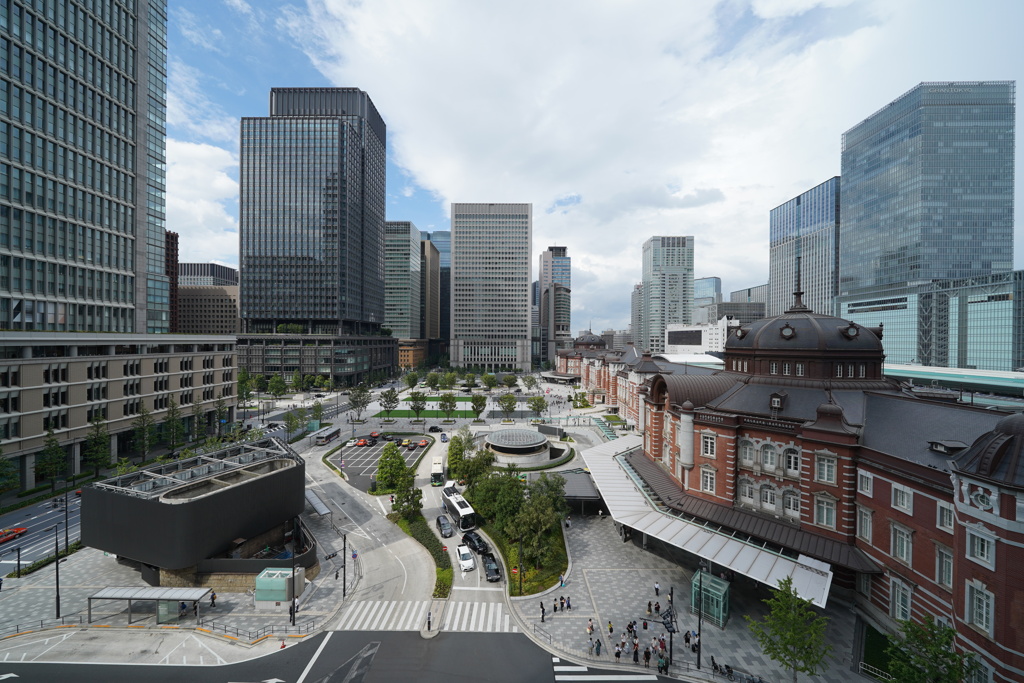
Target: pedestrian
648	608
647	658
590	649
597	647
657	608
542	611
611	630
1	583
181	609
568	603
554	605
662	665
657	588
568	521
213	599
618	653
636	655
561	580
561	602
686	639
629	629
590	625
600	513
661	641
622	641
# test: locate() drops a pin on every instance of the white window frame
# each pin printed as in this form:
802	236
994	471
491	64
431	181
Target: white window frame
983	674
747	491
768	497
903	498
769	453
943	566
825	465
795	454
786	508
976	541
786	368
707	445
707	481
864	584
899	591
865	483
799	369
747	452
865	523
980	609
773	368
942	510
825	512
901	543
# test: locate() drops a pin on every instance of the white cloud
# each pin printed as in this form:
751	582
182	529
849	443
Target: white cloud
689	118
196	32
201	196
192	111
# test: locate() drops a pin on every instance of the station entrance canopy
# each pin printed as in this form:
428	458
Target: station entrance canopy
629	506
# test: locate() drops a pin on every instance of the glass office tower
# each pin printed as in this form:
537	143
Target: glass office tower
442	239
667	288
311	205
554	298
927	187
403	279
804	231
82	166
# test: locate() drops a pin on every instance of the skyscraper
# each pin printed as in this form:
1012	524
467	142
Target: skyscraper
804	232
311	213
430	288
667	288
442	239
403	273
491	286
555	300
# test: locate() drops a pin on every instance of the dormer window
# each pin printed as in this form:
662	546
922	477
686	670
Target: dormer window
851	331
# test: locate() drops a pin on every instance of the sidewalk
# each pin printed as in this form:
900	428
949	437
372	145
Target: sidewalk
609	580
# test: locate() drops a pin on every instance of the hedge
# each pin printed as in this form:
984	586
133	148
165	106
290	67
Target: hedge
420	530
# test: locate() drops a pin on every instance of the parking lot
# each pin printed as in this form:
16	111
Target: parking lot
359	463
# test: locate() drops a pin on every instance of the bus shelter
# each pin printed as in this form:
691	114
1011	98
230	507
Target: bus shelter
714	604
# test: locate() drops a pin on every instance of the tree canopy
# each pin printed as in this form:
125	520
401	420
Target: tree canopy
417	403
447	404
276	386
479	403
412	379
52	462
388	401
358	399
538	404
9	477
391	468
489	381
433	380
510	381
142	430
792	633
927	653
96	453
507	403
174	427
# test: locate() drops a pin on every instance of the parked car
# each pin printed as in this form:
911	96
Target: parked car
491	568
466	562
387	437
371	442
411	447
444	527
444	438
11	534
474	541
361	442
434	428
375	434
406	442
424	443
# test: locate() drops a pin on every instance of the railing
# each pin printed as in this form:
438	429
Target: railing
28	626
304	628
538	631
874	672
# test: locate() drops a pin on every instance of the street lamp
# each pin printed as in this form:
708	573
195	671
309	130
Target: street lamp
700	606
56	557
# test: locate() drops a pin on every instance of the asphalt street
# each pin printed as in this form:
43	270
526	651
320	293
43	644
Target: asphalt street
37	543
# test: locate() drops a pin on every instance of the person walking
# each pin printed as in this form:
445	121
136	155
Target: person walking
597	647
561	580
611	629
657	608
686	639
213	599
647	658
561	602
618	654
636	654
590	648
590	625
657	589
648	608
554	605
568	603
542	611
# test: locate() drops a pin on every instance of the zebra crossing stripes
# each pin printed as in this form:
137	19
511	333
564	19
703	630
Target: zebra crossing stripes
402	615
582	674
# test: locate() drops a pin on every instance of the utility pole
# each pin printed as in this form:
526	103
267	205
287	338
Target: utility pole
344	564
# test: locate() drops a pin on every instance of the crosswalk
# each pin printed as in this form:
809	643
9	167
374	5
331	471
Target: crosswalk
571	672
411	615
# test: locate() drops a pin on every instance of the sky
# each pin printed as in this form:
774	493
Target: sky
617	120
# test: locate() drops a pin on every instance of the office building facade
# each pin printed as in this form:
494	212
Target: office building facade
442	239
208	310
430	287
403	272
804	235
490	307
667	288
206	275
750	295
554	286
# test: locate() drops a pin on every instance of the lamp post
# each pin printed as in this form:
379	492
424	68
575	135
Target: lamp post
17	550
56	557
700	607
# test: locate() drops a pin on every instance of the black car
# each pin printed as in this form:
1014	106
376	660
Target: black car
434	428
387	437
475	543
371	441
444	527
491	568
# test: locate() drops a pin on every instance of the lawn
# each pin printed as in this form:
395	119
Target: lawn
426	414
434	399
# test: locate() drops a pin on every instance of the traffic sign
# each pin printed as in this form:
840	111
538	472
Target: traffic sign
444	548
515	570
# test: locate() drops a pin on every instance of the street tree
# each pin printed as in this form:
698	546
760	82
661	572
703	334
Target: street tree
510	381
391	468
328	384
530	382
291	422
244	386
317	411
448	381
260	384
538	404
417	403
276	386
500	498
9	477
412	379
447	404
96	452
489	381
389	401
220	408
479	403
52	462
474	468
143	432
539	514
174	426
125	466
926	653
358	400
470	380
455	457
408	498
297	381
792	633
507	403
198	422
433	380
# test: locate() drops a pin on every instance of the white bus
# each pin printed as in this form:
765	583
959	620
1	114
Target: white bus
457	508
325	435
437	471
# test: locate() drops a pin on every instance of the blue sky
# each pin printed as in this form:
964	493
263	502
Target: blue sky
617	120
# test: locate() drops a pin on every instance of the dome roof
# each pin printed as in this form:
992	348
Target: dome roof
589	337
800	329
997	455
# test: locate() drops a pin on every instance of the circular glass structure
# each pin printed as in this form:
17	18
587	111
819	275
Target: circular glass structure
523	447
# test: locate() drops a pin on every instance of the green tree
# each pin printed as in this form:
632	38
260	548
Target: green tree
276	386
308	382
433	380
926	653
408	498
221	410
538	404
9	477
475	468
500	499
391	468
510	381
303	417
358	400
244	386
541	511
507	403
470	380
143	432
389	401
174	427
291	422
411	380
448	380
297	381
792	633
489	381
447	404
125	466
318	411
329	384
52	462
198	422
417	403
478	403
260	384
530	382
455	457
96	452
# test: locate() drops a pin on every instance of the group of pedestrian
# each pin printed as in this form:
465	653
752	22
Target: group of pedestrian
560	603
692	640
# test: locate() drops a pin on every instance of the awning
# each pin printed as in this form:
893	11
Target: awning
627	505
317	504
156	593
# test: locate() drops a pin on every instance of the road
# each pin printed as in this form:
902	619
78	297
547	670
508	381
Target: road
37	543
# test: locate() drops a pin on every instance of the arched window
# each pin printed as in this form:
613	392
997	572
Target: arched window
768	456
791	504
747	452
768	497
746	491
792	458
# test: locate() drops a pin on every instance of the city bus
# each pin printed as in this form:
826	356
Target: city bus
458	509
437	471
325	435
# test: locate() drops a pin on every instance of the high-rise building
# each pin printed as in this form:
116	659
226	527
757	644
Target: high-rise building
311	233
311	213
403	273
804	233
490	306
928	197
707	291
554	286
430	288
171	271
668	288
206	275
442	239
750	295
636	316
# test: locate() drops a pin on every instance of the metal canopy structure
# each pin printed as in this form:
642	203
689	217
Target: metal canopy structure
317	504
629	505
153	594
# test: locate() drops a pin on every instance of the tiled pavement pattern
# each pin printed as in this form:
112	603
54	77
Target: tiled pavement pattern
612	580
